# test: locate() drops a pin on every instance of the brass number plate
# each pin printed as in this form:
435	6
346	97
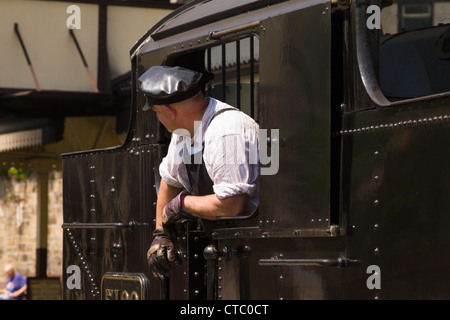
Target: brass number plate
124	286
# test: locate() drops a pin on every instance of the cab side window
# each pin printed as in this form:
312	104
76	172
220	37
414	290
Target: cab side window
414	50
235	66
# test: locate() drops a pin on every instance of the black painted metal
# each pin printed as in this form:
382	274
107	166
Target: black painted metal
362	181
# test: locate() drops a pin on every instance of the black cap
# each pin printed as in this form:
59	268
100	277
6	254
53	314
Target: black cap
166	85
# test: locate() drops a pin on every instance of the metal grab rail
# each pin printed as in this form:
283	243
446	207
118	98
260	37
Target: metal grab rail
101	225
338	262
250	27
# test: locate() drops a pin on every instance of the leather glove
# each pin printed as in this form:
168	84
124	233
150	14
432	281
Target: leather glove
160	254
173	212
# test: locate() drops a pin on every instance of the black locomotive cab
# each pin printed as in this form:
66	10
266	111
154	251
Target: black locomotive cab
352	101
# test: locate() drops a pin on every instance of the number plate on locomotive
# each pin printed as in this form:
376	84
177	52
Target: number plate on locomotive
124	286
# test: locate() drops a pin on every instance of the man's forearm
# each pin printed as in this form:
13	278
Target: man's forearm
207	207
210	207
19	292
165	194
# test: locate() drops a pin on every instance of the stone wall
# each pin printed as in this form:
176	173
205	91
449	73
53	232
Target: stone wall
18	207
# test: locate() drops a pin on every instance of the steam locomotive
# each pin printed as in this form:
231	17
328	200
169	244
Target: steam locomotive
358	206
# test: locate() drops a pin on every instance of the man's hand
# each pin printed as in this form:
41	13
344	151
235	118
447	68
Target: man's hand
173	211
160	254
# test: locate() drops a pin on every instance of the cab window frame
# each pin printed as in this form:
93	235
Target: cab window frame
367	48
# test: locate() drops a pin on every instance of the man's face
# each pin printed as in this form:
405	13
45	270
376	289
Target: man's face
9	272
164	115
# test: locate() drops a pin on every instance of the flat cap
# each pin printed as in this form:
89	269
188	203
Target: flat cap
166	85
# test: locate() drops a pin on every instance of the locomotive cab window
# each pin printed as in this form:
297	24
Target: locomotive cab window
414	48
232	71
235	69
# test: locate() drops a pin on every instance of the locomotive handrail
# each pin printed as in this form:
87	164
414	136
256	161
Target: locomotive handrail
338	262
100	225
216	35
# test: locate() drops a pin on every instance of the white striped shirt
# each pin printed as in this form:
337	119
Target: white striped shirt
230	153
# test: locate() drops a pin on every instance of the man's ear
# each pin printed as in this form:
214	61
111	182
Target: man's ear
172	111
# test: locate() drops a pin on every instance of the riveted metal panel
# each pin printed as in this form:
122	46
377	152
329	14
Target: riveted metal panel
398	198
295	99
